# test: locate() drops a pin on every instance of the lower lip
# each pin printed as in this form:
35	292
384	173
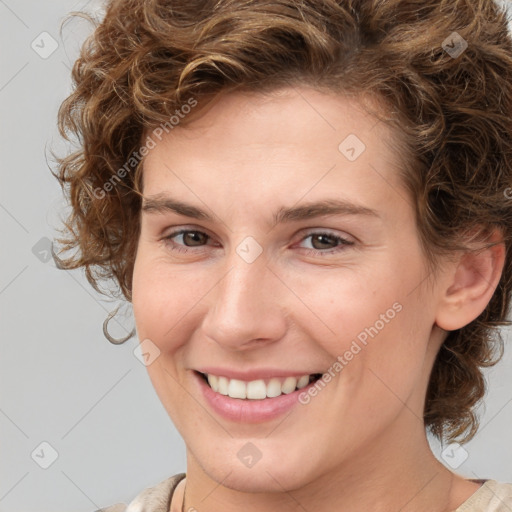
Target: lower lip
249	411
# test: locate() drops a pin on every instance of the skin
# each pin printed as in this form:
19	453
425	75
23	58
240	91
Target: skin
360	444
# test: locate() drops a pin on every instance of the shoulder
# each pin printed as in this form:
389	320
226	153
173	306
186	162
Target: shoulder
152	499
493	496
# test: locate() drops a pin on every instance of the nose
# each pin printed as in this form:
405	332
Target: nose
247	306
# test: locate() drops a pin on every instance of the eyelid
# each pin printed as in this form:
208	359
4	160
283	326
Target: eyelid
180	228
329	232
175	230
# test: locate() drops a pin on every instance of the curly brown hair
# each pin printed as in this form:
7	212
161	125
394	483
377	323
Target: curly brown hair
451	108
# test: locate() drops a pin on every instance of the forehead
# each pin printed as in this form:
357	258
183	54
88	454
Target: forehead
281	116
290	143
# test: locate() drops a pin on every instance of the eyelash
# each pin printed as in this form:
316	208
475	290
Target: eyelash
342	242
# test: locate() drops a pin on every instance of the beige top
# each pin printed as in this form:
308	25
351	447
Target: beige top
492	496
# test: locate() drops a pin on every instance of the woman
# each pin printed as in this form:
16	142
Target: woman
308	206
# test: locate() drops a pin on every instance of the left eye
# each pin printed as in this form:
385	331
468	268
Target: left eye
319	240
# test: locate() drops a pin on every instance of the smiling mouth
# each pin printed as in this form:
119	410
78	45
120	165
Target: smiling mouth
257	389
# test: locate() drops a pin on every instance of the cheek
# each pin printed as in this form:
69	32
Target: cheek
162	297
386	361
369	321
338	306
160	304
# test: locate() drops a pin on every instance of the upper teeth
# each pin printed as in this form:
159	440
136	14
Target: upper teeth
256	389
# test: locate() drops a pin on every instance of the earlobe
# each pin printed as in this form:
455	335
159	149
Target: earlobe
471	285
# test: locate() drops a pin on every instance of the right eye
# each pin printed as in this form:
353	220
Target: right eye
181	239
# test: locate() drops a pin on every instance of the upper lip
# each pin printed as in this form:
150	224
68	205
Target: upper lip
253	374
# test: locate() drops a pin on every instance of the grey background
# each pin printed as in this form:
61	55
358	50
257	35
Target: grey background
62	382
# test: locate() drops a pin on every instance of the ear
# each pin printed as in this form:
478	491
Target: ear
470	284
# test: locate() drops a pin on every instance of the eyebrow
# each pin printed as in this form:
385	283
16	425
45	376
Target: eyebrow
162	204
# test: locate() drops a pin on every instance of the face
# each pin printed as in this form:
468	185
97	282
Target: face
274	245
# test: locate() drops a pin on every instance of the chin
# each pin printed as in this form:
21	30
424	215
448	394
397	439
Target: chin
272	475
